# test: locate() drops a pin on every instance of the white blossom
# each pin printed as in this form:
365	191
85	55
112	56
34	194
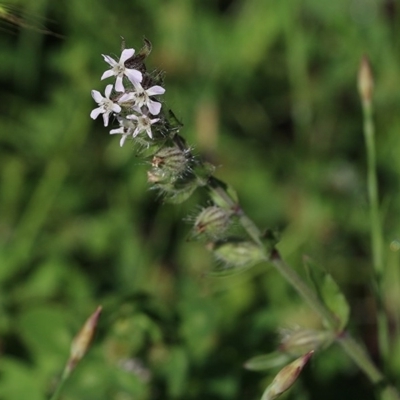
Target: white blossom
118	69
141	97
106	106
143	123
126	129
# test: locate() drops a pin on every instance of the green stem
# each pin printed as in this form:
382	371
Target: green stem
349	345
304	290
376	227
361	358
61	383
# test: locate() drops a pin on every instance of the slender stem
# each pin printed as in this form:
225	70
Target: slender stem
361	358
376	227
349	345
304	290
57	393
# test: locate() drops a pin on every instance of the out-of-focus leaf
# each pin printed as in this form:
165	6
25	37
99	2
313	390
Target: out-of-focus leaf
336	301
329	292
177	371
18	381
45	331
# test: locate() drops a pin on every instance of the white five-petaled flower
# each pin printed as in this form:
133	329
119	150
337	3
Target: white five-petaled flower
106	106
118	69
141	97
127	128
143	123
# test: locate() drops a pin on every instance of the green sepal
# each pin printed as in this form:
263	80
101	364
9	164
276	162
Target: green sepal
264	362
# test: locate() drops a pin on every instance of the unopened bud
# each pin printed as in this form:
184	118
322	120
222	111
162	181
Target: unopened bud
212	222
172	160
237	252
156	176
82	340
286	377
365	81
300	341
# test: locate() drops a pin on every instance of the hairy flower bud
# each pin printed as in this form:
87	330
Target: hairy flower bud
300	341
171	160
286	377
212	222
236	252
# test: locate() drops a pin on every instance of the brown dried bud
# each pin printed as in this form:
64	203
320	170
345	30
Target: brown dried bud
365	81
286	377
82	340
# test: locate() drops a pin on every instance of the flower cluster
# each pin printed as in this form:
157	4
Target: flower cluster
130	100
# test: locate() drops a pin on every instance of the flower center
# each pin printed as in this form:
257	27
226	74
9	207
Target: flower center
119	69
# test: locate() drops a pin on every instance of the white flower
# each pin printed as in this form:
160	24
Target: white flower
143	123
106	106
127	128
141	97
118	69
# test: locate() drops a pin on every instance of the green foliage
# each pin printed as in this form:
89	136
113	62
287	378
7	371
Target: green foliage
267	92
329	293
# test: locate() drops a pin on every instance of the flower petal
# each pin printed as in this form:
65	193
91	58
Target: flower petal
96	112
155	90
154	107
115	131
109	60
107	74
119	87
122	141
98	98
134	75
125	55
132	116
148	131
108	91
126	97
136	132
106	116
116	108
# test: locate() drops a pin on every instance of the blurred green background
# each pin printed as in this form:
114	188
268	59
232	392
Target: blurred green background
267	91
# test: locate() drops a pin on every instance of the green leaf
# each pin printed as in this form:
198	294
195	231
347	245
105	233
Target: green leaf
328	292
18	381
335	301
177	372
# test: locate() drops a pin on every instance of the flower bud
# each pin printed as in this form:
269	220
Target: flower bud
212	222
82	340
156	176
237	252
286	377
172	160
300	341
365	81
